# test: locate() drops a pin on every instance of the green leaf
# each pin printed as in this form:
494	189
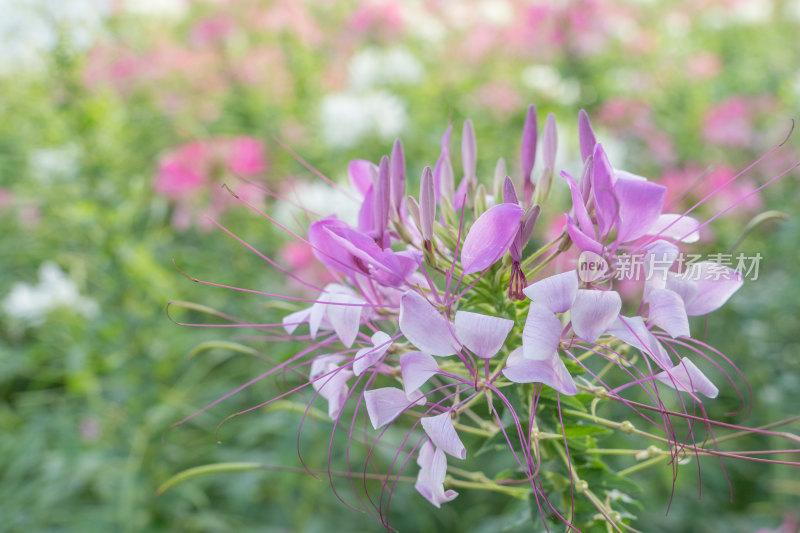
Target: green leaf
205	469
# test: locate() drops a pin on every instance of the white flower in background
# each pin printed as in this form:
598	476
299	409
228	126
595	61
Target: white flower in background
55	164
157	8
30	304
375	67
31	28
497	13
364	108
320	198
547	81
348	117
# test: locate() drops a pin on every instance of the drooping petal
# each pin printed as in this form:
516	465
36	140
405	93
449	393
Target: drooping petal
386	404
634	332
685	288
585	135
385	266
581	240
659	256
715	284
551	371
441	431
360	173
668	312
541	334
603	188
330	381
469	150
366	357
550	142
425	327
344	314
483	335
326	249
490	237
556	293
290	322
686	376
417	368
578	205
316	316
677	227
593	312
640	203
432	472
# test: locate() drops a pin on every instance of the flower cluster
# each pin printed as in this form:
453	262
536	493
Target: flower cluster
195	169
446	301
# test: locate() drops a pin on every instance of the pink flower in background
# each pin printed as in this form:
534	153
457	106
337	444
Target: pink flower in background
246	156
634	118
499	97
211	31
691	183
383	20
192	175
729	123
182	171
737	192
703	65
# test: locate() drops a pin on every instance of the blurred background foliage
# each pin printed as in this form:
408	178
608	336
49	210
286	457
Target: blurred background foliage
97	99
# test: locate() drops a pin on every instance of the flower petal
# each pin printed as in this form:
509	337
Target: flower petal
425	327
432	472
551	371
330	380
633	331
366	357
469	150
668	312
686	376
603	188
541	334
490	237
290	322
640	203
327	249
581	240
578	205
715	284
556	293
386	404
482	334
585	135
441	431
344	316
677	227
360	174
530	133
593	312
416	369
